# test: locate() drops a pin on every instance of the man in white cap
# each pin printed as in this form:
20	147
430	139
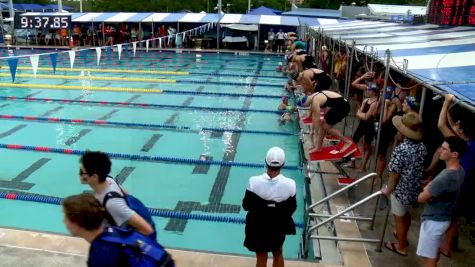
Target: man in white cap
270	202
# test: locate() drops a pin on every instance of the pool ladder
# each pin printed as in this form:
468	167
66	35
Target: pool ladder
314	220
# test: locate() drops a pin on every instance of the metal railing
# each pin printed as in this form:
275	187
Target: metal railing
343	215
344	189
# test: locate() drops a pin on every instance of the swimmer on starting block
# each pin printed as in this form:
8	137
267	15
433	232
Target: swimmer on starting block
322	98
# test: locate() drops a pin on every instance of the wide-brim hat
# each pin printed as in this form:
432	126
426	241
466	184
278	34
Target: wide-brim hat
409	125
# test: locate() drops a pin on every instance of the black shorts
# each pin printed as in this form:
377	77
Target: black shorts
365	129
338	112
388	131
280	42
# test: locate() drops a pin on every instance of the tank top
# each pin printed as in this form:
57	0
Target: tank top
366	107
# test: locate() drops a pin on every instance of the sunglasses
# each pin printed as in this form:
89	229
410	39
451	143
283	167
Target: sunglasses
82	172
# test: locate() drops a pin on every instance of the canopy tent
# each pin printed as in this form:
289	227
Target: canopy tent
440	56
242	27
73	15
196	18
259	19
38	8
309	21
263	10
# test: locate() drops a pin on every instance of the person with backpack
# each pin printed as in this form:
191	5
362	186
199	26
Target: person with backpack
110	246
122	209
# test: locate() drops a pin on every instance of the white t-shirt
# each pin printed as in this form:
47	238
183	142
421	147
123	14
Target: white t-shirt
277	189
280	35
116	207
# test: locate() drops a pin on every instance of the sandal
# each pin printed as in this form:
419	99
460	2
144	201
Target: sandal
392	247
395	236
448	255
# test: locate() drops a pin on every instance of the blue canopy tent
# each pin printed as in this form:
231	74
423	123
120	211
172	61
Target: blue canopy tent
440	57
263	10
28	7
53	7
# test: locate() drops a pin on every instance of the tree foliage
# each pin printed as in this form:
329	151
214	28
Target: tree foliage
232	6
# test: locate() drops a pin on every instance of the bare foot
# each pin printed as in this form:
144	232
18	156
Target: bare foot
345	146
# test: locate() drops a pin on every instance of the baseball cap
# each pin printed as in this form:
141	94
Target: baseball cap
275	157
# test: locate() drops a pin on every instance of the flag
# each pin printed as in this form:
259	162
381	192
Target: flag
98	55
72	57
54	58
119	50
34	59
13	63
134	47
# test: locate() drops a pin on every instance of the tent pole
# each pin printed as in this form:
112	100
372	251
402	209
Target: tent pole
93	39
258	37
217	36
153	35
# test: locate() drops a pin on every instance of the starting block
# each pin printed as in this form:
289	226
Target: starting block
345	180
331	153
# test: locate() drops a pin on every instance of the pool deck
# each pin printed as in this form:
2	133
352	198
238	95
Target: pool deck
32	249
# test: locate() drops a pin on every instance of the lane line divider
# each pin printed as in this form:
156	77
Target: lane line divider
93	78
129	104
92	70
137	157
44	199
131	90
109	70
79	87
136	125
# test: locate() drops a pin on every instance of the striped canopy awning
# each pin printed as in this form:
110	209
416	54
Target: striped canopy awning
438	55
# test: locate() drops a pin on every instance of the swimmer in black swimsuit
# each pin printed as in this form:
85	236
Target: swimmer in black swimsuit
337	109
366	113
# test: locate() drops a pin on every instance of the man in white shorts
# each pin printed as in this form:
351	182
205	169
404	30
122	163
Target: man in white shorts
441	196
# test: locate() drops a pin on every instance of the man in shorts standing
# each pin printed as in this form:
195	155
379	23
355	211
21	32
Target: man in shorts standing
441	196
405	173
270	202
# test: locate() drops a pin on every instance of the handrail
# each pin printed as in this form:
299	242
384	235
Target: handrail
350	208
356	218
309	208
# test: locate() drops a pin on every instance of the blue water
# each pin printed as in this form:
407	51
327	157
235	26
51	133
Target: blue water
160	185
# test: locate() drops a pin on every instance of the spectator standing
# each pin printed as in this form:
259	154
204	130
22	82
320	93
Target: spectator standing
270	201
405	168
441	196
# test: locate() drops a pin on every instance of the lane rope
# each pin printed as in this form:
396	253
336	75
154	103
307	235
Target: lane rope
130	104
131	90
94	78
136	125
214	73
153	211
108	70
137	157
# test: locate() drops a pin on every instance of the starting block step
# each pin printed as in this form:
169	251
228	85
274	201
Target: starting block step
345	180
332	153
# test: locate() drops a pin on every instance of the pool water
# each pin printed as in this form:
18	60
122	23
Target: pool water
219	107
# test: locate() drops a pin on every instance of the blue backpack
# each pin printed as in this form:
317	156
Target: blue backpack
137	249
134	203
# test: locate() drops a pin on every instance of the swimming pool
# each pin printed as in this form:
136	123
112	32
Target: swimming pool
157	126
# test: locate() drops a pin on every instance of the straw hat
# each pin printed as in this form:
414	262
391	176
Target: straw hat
409	125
